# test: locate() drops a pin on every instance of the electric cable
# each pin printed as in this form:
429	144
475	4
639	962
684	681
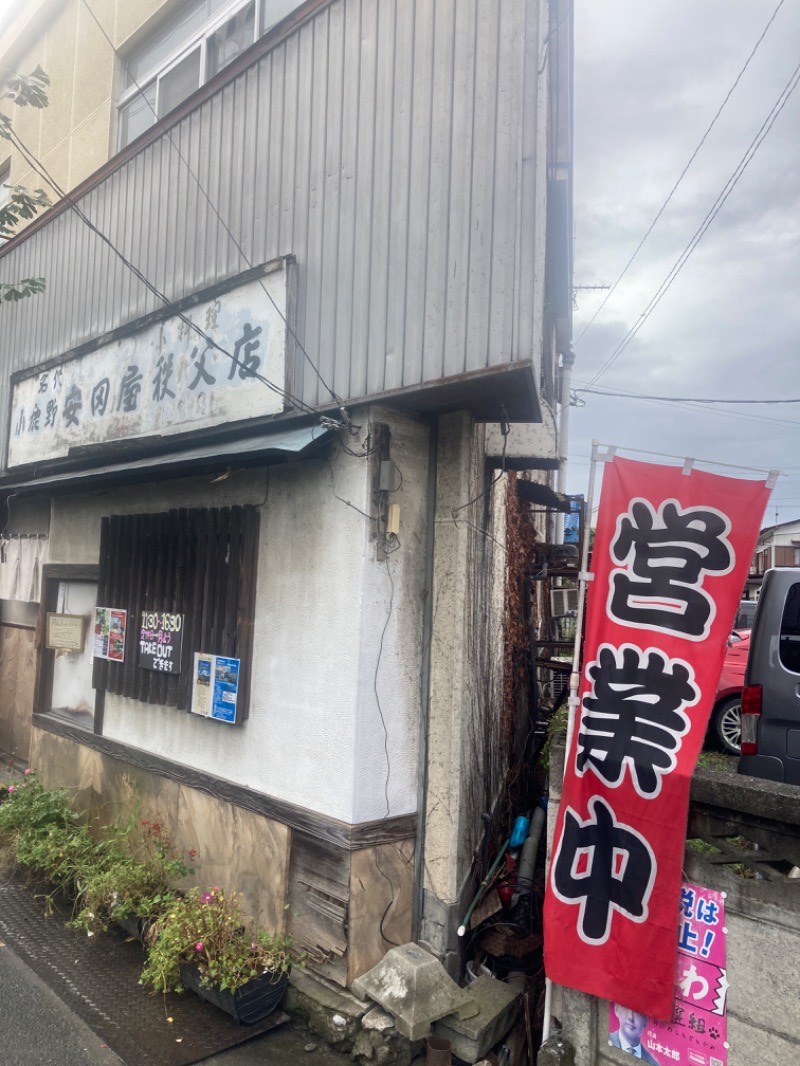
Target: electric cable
728	188
736	416
683	399
337	399
681	176
40	169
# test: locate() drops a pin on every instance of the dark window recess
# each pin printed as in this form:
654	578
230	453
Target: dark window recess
789	642
199	563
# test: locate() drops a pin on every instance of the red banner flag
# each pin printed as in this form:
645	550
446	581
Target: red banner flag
670	559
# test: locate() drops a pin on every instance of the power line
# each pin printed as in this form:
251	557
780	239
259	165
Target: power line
219	217
40	169
728	188
707	410
681	176
681	399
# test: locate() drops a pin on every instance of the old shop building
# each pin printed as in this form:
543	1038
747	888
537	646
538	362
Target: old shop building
292	464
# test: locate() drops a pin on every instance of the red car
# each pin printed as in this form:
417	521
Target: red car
725	723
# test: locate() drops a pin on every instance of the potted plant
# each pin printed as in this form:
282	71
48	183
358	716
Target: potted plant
201	943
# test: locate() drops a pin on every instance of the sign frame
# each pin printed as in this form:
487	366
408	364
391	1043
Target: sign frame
73	628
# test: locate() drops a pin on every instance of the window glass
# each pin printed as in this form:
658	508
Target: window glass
138	115
231	39
195	27
179	82
72	697
272	11
789	643
166	41
5	177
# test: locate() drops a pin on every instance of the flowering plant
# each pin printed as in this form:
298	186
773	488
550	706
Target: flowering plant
208	930
136	876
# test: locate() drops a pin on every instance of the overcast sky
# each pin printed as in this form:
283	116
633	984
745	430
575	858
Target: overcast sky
650	75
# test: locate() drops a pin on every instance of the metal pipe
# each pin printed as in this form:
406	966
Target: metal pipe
425	687
567	363
575	677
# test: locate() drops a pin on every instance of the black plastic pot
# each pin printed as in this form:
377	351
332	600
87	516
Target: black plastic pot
248	1004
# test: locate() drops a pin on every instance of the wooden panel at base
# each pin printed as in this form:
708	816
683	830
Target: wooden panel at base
319	887
17	677
381	892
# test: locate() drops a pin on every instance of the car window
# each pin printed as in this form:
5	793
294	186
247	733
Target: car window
789	643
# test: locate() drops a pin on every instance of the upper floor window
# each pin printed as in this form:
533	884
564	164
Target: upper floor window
182	54
5	192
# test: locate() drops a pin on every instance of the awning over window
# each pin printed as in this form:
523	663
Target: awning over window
215	455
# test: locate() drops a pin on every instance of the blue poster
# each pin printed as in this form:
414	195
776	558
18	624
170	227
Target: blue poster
216	687
226	687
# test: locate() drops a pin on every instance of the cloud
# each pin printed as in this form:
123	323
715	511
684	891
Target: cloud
648	81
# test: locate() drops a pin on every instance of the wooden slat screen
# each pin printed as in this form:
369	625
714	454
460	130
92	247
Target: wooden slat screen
198	563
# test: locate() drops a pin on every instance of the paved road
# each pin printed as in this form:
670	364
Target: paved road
36	1029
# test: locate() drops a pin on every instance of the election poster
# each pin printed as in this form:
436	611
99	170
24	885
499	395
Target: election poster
671	554
697	1032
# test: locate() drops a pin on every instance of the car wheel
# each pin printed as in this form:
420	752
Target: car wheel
728	725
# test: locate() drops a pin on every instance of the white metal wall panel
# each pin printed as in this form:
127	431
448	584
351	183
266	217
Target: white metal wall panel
394	147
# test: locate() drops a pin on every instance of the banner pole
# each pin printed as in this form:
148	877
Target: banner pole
575	675
583	579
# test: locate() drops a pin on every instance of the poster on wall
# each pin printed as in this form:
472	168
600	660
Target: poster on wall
216	687
110	624
161	641
696	1035
671	554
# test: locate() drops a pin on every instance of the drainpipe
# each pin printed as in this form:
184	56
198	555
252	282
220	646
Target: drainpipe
567	363
425	688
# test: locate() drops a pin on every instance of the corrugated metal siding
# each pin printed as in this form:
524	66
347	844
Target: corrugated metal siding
393	146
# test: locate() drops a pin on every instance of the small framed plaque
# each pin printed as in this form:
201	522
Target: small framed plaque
65	632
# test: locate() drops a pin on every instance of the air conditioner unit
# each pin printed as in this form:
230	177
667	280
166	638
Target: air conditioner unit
563	601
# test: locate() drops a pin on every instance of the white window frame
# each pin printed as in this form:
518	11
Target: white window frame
5	194
202	38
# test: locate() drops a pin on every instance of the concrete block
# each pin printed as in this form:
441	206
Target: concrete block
329	1011
471	1038
377	1019
412	985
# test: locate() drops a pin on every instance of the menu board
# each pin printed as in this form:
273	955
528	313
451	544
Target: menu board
161	641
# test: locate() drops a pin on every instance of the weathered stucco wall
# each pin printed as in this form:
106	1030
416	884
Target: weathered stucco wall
335	699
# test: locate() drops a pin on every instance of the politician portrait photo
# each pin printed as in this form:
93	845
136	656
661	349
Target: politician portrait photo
628	1037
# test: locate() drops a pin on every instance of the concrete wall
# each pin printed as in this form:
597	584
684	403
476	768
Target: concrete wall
334	712
466	677
762	919
763	943
76	134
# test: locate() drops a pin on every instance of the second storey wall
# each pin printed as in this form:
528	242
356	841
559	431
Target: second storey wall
395	149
